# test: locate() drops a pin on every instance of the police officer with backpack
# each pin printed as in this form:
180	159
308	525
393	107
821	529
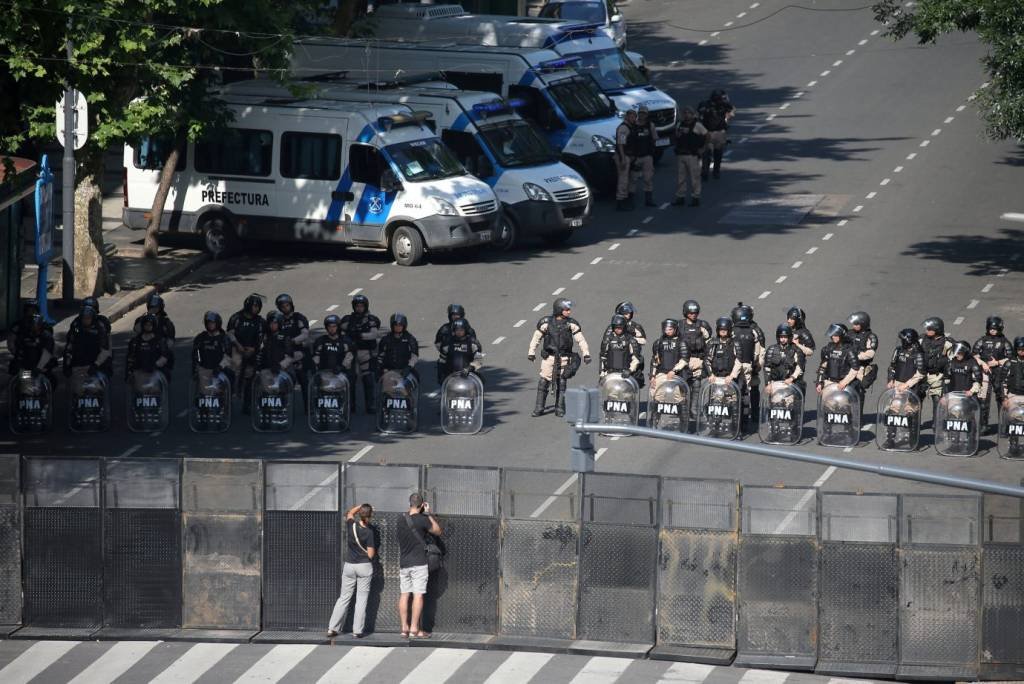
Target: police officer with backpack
558	332
691	141
715	113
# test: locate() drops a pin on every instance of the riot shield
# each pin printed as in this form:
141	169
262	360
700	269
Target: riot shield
148	402
956	425
209	402
669	408
272	401
89	398
462	404
719	410
782	414
1010	442
620	399
838	416
898	421
31	409
329	407
397	402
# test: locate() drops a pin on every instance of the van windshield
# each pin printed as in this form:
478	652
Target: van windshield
612	69
425	160
517	143
580	99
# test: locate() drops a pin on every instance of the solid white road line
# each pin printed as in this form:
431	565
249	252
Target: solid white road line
362	452
276	663
376	276
355	665
193	664
520	323
439	666
498	340
802	503
518	668
314	491
763	677
764	295
114	662
602	670
693	673
34	660
577	276
558	291
354	292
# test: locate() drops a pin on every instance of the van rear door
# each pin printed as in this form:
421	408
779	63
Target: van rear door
310	167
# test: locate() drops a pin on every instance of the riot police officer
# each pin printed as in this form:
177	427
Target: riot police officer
802	338
634	330
696	333
691	141
455	312
625	155
619	351
363	328
333	352
100	318
906	373
156	306
29	309
559	363
278	349
865	344
936	347
246	329
783	362
92	302
398	351
839	363
33	348
87	345
960	372
296	326
715	113
751	345
722	359
992	351
148	351
670	357
459	351
211	349
1013	375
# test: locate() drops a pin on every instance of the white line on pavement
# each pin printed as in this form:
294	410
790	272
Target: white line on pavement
936	132
276	663
313	321
837	63
577	276
615	438
362	452
826	72
910	157
434	394
974	303
130	450
827	236
926	143
595	261
798	94
784	105
771	116
647	219
498	340
856	209
871	195
961	108
193	664
114	662
439	666
886	181
34	660
959	320
564	486
741	15
354	292
848	449
728	24
780	280
842	222
755	129
376	276
691	673
182	413
755	5
1012	216
715	34
764	295
601	670
948	119
539	306
743	140
703	42
797	264
791	516
633	232
1002	272
812	250
332	307
898	169
984	85
763	677
520	323
811	84
314	491
355	665
664	205
988	288
875	32
558	291
614	246
863	42
519	667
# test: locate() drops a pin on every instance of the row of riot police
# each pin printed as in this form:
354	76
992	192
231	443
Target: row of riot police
257	361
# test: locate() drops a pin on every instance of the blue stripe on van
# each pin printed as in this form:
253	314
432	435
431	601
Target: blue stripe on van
345	184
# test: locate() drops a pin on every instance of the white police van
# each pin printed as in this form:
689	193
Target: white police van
539	195
602	12
578	120
620	75
296	169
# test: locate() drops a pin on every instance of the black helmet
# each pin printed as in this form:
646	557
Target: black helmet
560	305
625	309
723	323
691	306
717	94
908	337
283	299
618	321
90	301
670	322
456	310
361	299
36	323
31	306
1018	343
860	318
147	319
212	316
154	301
399	319
275	316
994	322
783	331
836	329
961	347
332	319
742	313
795	313
251	301
460	324
934	323
88	312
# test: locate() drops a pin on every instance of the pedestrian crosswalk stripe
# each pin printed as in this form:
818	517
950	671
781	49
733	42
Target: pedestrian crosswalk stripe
194	663
763	677
114	662
518	668
355	665
275	664
686	672
601	670
34	660
437	667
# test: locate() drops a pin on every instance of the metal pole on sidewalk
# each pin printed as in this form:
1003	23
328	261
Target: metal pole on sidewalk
68	187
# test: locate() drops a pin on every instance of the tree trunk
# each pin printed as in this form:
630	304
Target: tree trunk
90	266
346	14
150	245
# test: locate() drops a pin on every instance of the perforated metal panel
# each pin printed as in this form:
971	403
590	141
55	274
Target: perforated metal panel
540	495
779	511
617	580
463	595
301	565
620	499
142	568
386	488
539	578
63	567
700	504
1002	644
10	565
697	588
380	610
462	491
302	487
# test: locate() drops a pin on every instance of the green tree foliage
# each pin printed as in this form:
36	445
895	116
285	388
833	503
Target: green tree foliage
999	24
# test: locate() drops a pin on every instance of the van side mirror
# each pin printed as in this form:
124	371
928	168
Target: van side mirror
616	18
389	181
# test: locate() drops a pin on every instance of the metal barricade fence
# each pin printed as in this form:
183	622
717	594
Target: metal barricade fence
10	543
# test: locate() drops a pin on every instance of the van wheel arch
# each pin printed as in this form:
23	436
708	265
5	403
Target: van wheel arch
406	243
217	228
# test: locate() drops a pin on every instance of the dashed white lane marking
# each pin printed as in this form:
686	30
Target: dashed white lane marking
811	84
984	85
856	209
842	222
313	321
664	205
871	195
863	42
850	52
130	450
182	413
558	292
741	15
886	181
784	105
898	169
703	42
562	489
520	323
836	63
728	24
797	264
972	98
876	32
1002	272
355	292
647	219
826	236
826	72
1011	216
615	438
743	140
959	320
34	660
577	276
674	62
332	307
434	394
376	276
961	108
910	157
539	306
948	119
764	295
595	261
848	449
498	340
780	529
936	132
755	129
715	34
770	117
974	303
988	288
755	5
812	250
926	143
780	280
798	95
613	247
633	232
727	153
359	454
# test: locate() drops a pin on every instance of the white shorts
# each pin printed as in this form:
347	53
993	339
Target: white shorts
413	580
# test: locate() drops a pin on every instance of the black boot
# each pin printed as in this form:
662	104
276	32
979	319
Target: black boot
705	165
623	205
679	202
695	202
369	390
717	171
542	395
560	406
649	199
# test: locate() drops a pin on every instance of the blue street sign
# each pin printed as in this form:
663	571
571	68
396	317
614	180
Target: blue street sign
44	233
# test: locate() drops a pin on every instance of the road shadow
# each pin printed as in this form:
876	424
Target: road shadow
983	255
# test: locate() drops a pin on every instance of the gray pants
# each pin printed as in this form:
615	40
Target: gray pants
355	576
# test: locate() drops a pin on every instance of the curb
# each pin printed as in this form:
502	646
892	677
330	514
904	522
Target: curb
136	297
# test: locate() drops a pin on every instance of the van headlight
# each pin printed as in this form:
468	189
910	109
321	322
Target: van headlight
536	193
602	144
444	207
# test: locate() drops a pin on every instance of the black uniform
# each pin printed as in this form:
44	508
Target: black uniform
164	326
445	331
248	330
805	339
780	362
992	348
29	350
960	376
358	326
863	341
906	363
837	360
107	366
696	334
277	348
935	350
721	357
1013	377
211	352
458	353
714	115
86	346
333	354
396	352
143	355
670	354
618	352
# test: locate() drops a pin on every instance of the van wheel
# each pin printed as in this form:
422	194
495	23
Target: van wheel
219	236
559	237
508	234
407	246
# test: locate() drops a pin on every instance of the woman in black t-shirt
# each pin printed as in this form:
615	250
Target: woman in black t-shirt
358	571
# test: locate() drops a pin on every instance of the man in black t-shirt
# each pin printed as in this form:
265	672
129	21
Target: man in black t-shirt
413	574
358	571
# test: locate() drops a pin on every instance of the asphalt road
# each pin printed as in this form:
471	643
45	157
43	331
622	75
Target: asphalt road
878	139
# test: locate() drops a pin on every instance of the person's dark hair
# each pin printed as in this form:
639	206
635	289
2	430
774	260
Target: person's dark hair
415	500
365	512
